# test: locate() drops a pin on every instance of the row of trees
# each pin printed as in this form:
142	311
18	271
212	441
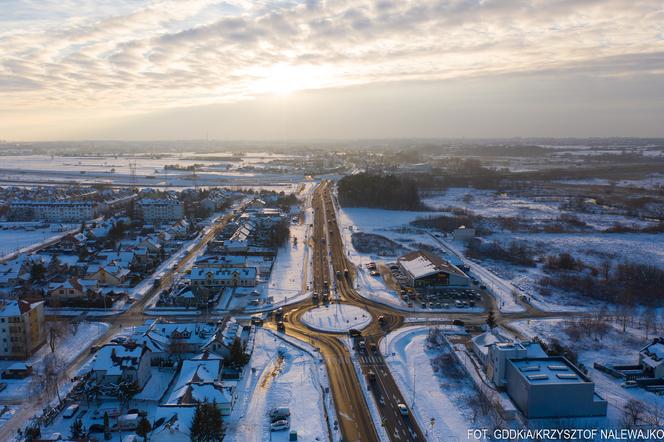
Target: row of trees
621	283
379	191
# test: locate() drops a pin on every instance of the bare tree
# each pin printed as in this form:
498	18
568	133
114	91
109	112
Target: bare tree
634	411
53	373
55	331
654	415
649	319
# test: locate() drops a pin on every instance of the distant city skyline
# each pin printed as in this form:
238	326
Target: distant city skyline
167	70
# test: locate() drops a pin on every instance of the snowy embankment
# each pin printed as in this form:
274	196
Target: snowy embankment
337	318
281	373
438	403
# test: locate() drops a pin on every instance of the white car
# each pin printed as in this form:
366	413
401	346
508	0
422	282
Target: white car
629	384
403	409
280	425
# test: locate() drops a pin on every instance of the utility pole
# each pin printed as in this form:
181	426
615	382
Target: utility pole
412	406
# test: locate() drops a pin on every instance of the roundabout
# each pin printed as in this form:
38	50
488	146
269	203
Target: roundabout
336	318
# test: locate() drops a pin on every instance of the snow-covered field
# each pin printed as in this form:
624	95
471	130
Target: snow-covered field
280	374
148	171
14	240
592	247
433	397
337	317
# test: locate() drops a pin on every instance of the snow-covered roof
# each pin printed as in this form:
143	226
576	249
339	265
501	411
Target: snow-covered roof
421	264
14	308
113	359
223	274
653	354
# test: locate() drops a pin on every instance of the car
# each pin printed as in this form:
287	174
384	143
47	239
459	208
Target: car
373	347
119	340
458	322
279	413
96	428
629	384
483	287
381	319
138	411
94	349
256	320
354	333
281	327
362	346
131	300
280	425
70	411
403	409
374	273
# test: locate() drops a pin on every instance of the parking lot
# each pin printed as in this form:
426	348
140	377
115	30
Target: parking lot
436	298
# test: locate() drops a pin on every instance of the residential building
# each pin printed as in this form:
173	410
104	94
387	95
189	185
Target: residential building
72	288
159	210
210	277
116	363
22	330
55	211
199	380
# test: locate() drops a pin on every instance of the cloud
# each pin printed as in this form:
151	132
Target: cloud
168	53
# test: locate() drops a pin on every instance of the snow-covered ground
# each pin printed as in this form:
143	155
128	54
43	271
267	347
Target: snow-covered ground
504	279
68	348
23	239
337	317
280	374
611	346
289	278
148	171
432	396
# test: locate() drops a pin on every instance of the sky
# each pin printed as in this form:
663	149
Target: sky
178	69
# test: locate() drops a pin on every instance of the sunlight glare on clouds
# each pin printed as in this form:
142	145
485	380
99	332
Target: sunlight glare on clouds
284	79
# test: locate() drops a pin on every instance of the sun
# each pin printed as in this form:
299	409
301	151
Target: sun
285	79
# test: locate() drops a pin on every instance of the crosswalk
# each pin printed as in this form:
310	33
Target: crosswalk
371	360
